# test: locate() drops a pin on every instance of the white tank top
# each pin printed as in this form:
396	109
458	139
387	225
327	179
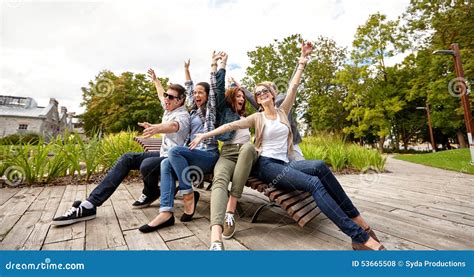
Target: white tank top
275	139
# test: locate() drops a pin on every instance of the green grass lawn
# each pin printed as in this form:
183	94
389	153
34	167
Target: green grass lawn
456	160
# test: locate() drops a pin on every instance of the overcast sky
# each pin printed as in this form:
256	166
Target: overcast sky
53	48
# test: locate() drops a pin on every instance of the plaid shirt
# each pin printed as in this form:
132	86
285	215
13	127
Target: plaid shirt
209	118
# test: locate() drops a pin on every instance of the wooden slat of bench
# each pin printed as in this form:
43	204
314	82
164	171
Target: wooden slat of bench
297	204
309	216
274	194
286	196
304	211
295	200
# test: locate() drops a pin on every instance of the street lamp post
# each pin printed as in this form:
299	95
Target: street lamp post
430	126
463	91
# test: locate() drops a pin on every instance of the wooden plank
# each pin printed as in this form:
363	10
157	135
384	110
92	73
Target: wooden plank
406	230
325	229
459	231
313	212
287	195
12	210
128	217
104	231
444	214
301	204
200	228
74	244
187	243
286	237
47	204
7	193
177	231
69	232
140	241
305	210
18	235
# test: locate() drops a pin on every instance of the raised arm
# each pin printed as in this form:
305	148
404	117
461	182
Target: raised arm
188	84
220	75
210	121
162	128
290	98
243	123
159	87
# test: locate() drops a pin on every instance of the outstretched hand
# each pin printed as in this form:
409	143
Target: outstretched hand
306	50
186	64
152	75
144	124
224	57
197	139
216	56
151	130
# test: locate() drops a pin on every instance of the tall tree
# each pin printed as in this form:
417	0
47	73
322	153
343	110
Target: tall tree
373	108
434	25
115	103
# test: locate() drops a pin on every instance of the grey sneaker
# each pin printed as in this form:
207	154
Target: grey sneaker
229	226
217	246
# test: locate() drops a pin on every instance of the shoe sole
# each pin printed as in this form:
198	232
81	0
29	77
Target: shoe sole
72	221
142	206
228	237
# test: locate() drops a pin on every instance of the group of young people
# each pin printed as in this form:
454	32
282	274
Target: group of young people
196	117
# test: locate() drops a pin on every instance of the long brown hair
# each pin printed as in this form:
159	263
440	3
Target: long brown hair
231	99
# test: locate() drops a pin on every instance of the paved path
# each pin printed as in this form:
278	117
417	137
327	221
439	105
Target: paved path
412	207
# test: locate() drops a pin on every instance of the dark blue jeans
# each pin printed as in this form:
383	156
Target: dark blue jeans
147	162
315	177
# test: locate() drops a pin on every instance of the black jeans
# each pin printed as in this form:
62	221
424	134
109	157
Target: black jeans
147	162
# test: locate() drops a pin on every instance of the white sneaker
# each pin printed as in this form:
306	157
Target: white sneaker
217	246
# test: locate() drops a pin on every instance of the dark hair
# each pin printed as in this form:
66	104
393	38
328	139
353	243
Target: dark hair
230	98
207	88
180	90
205	85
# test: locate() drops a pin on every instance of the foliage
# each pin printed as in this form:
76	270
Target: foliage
117	103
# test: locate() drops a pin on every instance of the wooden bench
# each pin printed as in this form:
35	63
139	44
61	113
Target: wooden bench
299	205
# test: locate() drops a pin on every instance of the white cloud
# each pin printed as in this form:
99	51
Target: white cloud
51	49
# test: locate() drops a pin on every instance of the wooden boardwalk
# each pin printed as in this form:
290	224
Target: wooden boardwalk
412	207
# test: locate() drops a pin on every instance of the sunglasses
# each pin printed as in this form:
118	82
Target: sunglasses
262	92
170	97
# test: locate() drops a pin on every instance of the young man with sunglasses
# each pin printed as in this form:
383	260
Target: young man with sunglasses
175	129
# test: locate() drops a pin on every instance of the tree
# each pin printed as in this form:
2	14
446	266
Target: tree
325	111
318	101
372	108
115	103
440	24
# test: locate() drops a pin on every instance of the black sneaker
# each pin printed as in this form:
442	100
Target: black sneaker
144	201
75	214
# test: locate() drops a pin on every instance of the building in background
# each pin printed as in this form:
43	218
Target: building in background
22	115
